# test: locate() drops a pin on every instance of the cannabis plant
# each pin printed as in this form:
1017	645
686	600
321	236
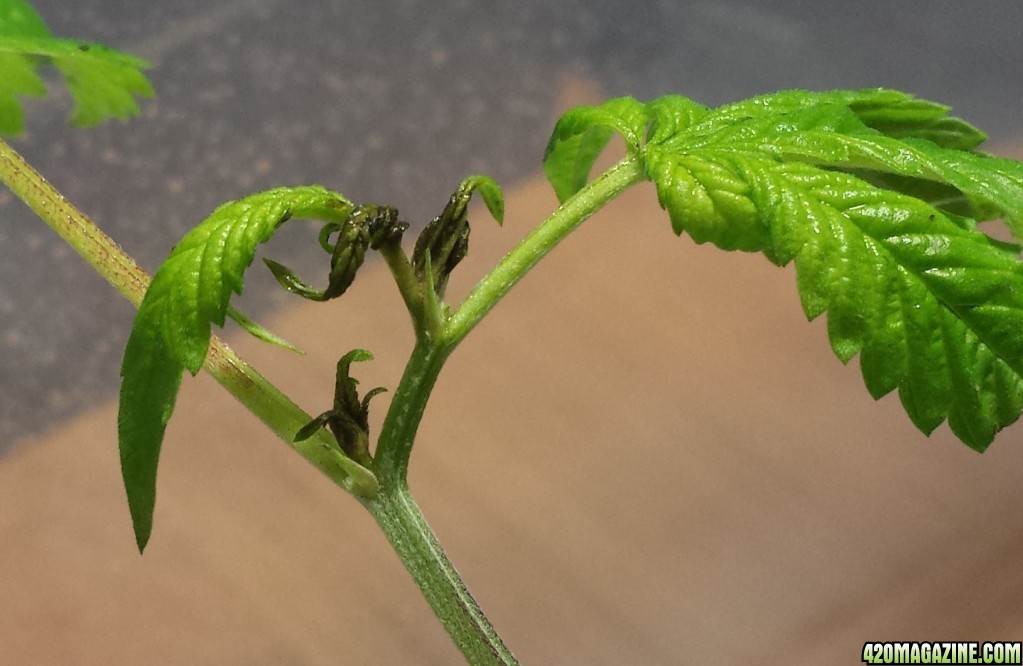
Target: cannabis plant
874	195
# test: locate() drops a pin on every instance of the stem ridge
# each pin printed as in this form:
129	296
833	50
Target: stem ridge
401	520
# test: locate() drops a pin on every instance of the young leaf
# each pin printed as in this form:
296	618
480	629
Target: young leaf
876	196
491	194
151	377
444	242
102	81
902	116
581	135
171	332
348	418
256	330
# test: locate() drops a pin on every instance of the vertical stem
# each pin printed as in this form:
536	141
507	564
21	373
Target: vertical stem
390	462
402	521
393	506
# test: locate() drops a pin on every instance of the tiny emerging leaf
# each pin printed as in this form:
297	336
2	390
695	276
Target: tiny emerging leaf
256	330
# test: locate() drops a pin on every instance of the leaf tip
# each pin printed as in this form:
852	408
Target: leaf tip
142	538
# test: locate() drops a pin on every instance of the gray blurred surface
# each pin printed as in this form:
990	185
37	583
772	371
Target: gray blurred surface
395	102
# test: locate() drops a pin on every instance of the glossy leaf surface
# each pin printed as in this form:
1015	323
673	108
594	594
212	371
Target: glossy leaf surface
876	196
171	333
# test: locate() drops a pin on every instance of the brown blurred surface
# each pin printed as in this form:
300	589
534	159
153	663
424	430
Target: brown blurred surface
645	455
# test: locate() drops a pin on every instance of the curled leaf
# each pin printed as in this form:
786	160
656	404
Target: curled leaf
171	332
445	240
582	133
366	227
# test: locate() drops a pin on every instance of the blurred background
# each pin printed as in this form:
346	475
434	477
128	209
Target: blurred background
645	455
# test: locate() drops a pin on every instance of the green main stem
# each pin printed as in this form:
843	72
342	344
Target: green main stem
412	539
395	511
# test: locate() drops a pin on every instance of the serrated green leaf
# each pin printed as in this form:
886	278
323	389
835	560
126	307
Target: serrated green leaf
171	333
940	195
103	82
17	77
903	116
705	196
890	112
207	265
582	133
860	131
875	195
994	184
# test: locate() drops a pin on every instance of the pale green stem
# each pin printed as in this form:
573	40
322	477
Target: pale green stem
402	421
408	285
538	243
250	388
81	233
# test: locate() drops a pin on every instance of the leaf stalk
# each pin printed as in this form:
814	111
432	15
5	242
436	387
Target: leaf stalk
563	221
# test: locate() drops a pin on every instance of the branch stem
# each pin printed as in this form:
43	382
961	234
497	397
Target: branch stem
250	388
573	212
405	278
81	233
